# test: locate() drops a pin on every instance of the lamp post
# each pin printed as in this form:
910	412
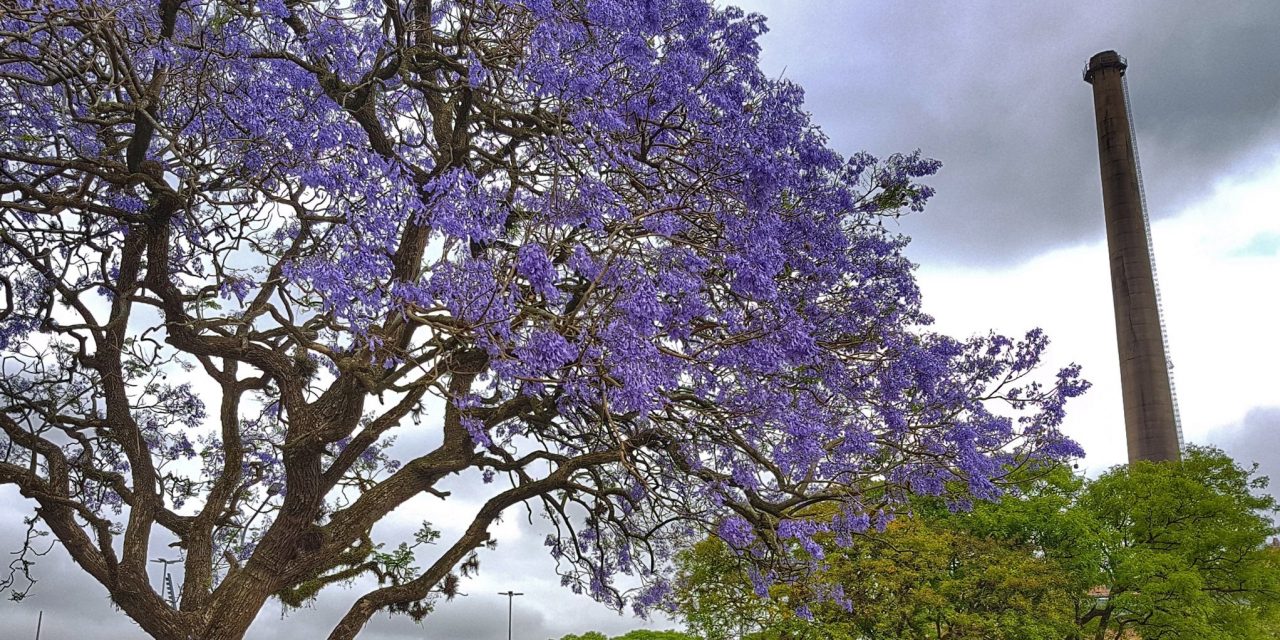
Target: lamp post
511	596
166	587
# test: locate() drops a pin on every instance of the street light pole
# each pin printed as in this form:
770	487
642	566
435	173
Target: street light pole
511	596
166	587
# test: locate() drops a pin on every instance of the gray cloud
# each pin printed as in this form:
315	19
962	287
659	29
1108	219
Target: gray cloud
993	89
73	602
1256	438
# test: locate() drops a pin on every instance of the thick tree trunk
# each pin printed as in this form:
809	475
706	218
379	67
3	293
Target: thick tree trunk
236	606
1103	623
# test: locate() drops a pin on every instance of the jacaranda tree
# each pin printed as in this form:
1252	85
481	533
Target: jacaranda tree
246	243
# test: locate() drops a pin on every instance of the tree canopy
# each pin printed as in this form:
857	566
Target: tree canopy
638	634
584	251
1152	550
1183	550
931	574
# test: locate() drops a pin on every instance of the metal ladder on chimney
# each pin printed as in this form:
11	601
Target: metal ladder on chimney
1151	255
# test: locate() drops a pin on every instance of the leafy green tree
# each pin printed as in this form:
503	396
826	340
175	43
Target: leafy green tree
638	634
1152	550
714	596
924	577
649	634
1183	550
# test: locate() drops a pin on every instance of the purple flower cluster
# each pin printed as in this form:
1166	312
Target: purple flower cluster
736	531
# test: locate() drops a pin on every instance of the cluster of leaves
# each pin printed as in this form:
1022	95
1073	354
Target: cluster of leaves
245	243
1156	550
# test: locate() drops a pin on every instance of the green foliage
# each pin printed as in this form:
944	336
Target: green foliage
638	634
393	567
1183	549
1178	548
919	579
714	596
647	634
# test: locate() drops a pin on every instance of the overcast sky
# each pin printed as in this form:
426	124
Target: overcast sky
1013	240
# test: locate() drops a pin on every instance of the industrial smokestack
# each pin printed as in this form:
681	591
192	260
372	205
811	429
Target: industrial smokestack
1150	410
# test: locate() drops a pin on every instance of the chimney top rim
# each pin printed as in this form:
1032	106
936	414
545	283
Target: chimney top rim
1108	59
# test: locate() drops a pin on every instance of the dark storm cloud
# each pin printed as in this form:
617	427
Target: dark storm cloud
994	91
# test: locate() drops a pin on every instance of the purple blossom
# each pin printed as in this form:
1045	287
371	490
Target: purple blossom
535	266
736	531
